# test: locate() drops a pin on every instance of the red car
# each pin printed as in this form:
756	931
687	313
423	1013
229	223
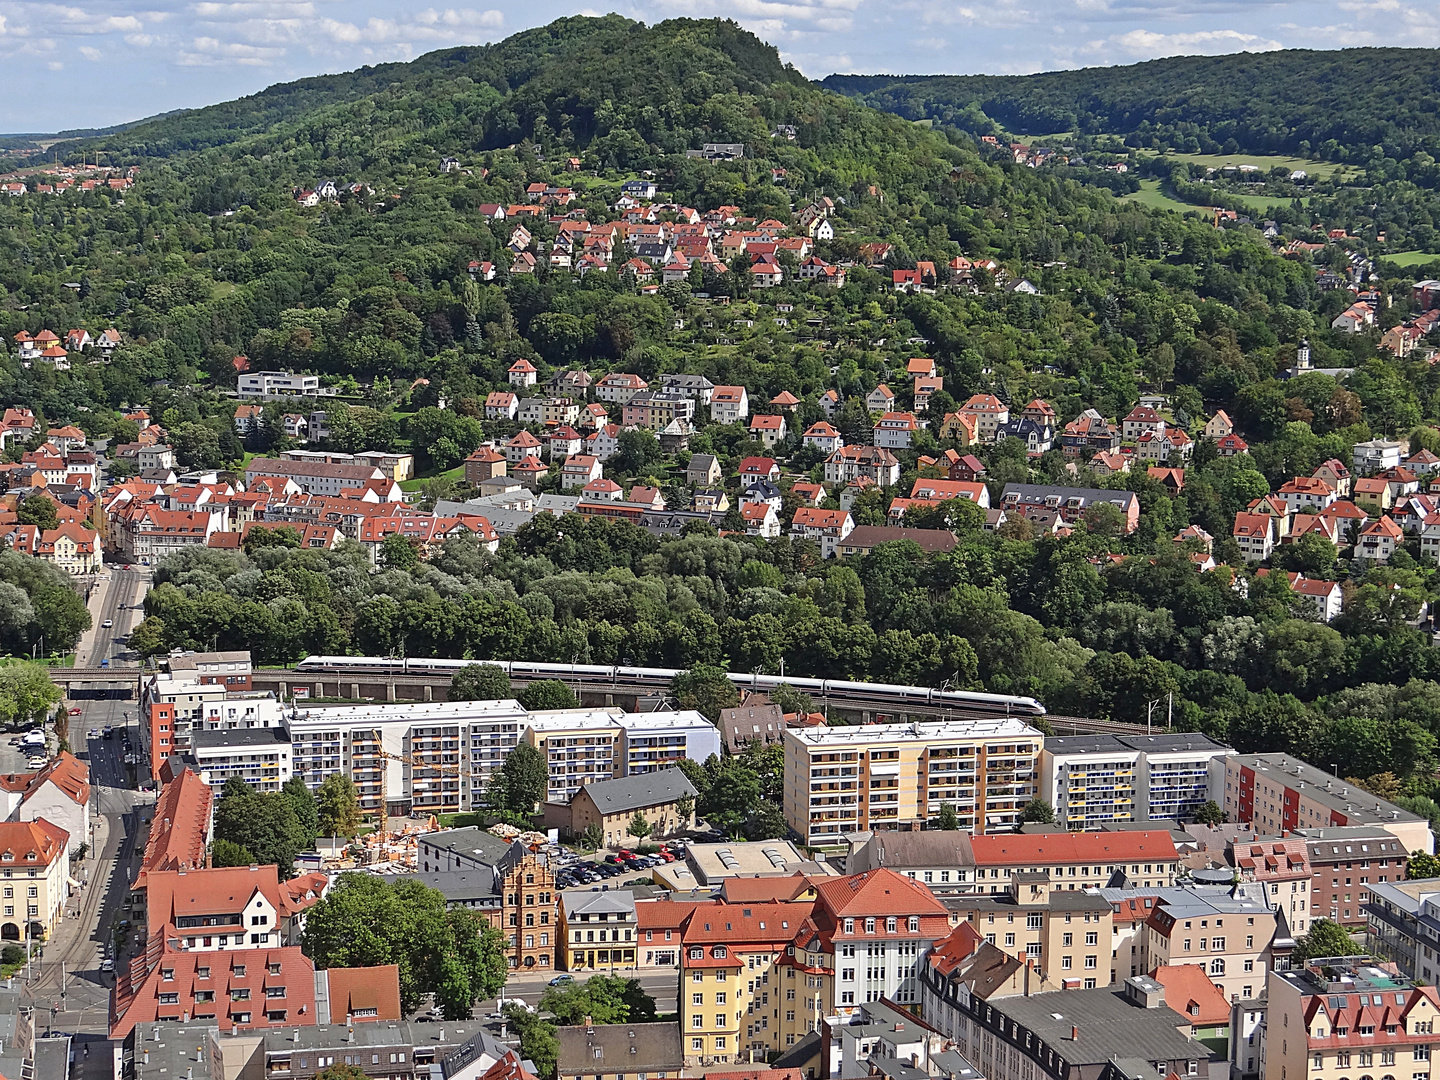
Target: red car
75	712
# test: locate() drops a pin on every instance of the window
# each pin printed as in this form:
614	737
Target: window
1034	921
697	999
1217	966
1092	938
1067	940
914	924
1090	963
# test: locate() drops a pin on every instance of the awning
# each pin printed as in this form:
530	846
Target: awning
73	883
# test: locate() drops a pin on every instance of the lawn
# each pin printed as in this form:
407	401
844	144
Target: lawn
1266	162
1150	195
1406	259
1262	203
456	474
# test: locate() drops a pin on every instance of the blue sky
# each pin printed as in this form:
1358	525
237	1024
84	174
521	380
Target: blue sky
89	63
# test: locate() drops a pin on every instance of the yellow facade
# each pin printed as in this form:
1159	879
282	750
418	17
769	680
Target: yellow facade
888	776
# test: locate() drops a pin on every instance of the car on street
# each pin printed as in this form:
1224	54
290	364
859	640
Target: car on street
107	964
94	733
562	980
107	624
75	711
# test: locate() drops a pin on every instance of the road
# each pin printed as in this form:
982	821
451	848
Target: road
660	984
67	985
116	599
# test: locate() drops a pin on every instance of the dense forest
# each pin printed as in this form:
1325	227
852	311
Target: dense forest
1336	104
209	256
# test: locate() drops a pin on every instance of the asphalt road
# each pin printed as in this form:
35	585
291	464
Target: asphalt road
117	599
67	986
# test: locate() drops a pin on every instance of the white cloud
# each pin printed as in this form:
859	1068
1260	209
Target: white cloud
1150	44
91	53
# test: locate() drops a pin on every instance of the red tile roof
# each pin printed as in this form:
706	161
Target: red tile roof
879	893
355	992
38	843
179	828
1059	847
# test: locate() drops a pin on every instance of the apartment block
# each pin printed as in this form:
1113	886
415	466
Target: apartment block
273	385
1345	1016
1404	926
1347	865
35	879
1279	792
259	756
430	756
1231	931
889	776
1096	780
1065	935
653	741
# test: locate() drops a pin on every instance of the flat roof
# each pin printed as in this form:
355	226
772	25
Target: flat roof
1185	742
1359	806
409	712
1002	727
1347	975
557	720
670	718
240	737
1087	744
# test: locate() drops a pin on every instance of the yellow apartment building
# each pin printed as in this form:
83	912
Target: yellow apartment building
840	780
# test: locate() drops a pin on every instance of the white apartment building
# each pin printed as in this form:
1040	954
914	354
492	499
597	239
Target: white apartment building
407	757
259	756
657	740
274	385
1093	780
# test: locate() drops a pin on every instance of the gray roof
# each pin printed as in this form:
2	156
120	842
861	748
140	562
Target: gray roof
1038	493
630	793
1172	744
611	901
928	847
557	504
622	1048
251	737
1109	1027
1086	744
1359	806
459	886
700	462
480	1045
472	842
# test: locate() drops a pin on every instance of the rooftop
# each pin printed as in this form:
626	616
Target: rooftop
631	793
994	728
1105	1025
1360	807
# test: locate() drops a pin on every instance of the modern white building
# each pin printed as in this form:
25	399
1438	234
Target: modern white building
259	756
1095	780
274	385
656	740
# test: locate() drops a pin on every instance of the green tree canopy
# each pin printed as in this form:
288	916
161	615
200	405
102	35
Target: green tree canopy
480	682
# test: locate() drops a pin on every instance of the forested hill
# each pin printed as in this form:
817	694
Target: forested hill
562	72
1334	104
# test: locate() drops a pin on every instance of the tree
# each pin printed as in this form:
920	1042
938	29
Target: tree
1422	866
766	822
480	682
364	921
605	999
947	819
38	510
593	837
685	808
706	689
520	783
639	827
538	1041
26	693
306	812
148	639
791	700
341	1071
635	449
263	823
338	806
1326	938
1210	813
229	853
1037	810
398	553
545	695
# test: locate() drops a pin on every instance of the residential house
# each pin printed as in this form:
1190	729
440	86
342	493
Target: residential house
825	527
1372	491
769	430
960	427
619	387
611	915
523	445
758	468
522	373
1336	474
760	520
729	404
1142	420
873	463
923	388
823	436
896	430
483	464
1218	426
1375	456
613	805
501	405
580	470
1306	492
1231	445
1037	435
1255	533
1089	433
1067	504
1378	540
989	413
881	399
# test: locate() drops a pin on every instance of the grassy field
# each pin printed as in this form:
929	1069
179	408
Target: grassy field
1262	203
1150	195
1404	259
457	474
1266	162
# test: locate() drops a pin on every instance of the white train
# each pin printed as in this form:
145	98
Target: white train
601	674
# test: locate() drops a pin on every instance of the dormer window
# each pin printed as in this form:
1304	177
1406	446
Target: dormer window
869	926
849	923
890	925
720	952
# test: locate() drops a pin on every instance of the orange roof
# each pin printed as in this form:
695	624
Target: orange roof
763	890
816	518
956	947
666	914
881	892
355	991
180	825
1189	991
39	842
174	894
66	772
508	1067
1032	850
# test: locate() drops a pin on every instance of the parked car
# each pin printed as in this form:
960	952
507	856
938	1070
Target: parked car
107	965
75	711
562	980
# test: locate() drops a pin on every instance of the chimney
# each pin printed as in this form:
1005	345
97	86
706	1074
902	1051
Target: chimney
1074	1033
899	1027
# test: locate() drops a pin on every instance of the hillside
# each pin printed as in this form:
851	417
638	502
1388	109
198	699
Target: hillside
1334	104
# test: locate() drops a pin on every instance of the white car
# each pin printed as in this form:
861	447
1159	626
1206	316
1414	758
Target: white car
107	964
107	624
36	763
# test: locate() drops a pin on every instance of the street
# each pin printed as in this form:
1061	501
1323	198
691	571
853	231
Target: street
660	984
67	986
117	598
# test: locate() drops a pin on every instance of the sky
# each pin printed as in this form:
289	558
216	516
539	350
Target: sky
92	63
